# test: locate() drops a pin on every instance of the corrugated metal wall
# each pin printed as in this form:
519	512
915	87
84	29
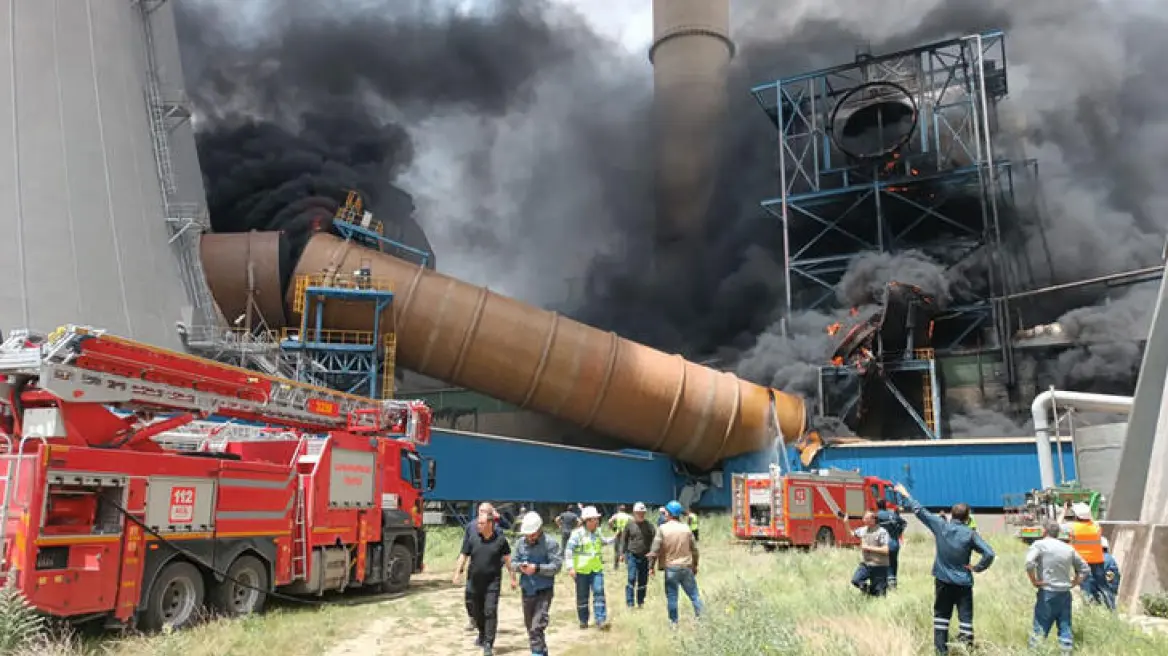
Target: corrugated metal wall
978	472
81	208
475	467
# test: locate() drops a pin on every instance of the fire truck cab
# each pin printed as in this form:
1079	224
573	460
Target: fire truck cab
804	509
142	485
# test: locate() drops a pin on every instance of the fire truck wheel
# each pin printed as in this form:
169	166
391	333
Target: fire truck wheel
175	598
824	538
398	569
231	598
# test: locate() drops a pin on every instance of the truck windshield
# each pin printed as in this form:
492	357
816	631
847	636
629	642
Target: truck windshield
411	469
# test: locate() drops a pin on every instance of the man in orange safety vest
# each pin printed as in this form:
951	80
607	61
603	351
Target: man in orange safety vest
1087	538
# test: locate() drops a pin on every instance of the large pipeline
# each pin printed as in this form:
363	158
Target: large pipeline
539	360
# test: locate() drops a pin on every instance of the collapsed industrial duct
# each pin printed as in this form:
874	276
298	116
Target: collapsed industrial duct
468	336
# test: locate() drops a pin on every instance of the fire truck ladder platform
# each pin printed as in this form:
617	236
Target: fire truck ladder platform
81	364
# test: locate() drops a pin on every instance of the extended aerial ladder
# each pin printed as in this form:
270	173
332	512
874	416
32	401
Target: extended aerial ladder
95	371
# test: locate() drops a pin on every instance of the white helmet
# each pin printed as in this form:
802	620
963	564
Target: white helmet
590	512
532	522
639	507
1081	510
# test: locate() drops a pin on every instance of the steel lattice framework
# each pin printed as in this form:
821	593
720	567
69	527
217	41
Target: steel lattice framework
896	153
935	186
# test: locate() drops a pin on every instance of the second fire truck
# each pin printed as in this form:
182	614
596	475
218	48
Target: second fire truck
122	502
804	509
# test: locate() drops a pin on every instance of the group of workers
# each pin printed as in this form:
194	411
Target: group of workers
1054	566
669	545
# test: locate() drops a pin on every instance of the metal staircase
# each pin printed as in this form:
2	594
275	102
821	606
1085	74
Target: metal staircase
186	221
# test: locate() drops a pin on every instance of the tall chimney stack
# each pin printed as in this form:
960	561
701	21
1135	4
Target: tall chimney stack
691	55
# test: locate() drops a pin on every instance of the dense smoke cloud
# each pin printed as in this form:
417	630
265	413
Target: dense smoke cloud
496	120
1087	99
523	138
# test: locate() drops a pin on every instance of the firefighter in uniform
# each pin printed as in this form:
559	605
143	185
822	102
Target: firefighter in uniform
585	558
1087	539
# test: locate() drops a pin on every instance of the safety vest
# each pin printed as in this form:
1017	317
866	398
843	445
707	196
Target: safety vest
693	522
586	557
1087	539
620	521
972	522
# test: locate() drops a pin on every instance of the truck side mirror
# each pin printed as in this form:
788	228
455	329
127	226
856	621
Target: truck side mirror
431	474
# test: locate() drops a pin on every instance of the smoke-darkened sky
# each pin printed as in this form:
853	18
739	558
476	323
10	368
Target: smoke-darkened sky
520	130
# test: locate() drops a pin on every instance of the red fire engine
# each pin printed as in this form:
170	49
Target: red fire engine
121	502
803	509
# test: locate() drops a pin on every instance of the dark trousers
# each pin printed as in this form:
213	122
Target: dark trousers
638	579
1051	608
535	618
947	597
893	566
616	554
1096	587
872	580
484	608
695	532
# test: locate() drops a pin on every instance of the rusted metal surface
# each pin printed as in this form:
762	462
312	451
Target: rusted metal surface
536	359
227	259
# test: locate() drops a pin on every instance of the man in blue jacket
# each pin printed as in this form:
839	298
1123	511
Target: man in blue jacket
891	521
538	560
952	573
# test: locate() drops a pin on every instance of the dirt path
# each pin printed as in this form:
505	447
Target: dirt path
431	620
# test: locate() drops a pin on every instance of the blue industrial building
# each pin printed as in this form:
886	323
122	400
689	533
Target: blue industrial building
473	466
980	472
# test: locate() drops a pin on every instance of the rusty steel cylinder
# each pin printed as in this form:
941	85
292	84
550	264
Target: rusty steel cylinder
469	336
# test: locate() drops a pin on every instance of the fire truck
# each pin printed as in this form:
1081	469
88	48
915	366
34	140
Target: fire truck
142	485
803	509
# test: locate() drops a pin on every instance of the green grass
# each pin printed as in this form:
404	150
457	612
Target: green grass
757	603
803	603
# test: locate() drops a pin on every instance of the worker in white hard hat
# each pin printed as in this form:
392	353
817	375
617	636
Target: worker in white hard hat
585	557
1087	538
634	543
538	560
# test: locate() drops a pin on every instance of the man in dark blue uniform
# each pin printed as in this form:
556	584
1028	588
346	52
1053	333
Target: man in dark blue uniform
891	521
952	573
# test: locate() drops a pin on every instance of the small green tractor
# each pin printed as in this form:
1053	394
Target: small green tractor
1027	514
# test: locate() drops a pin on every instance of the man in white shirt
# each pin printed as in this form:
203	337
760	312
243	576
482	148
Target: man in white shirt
871	576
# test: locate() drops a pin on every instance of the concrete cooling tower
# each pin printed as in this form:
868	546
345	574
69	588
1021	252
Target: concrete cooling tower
94	150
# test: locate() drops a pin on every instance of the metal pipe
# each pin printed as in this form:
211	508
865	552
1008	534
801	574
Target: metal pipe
1040	411
470	337
1150	272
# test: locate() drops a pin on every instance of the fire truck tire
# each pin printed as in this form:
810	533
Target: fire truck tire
398	568
176	598
232	599
824	538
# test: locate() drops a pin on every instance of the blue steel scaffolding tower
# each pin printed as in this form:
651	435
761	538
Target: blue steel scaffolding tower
355	361
895	153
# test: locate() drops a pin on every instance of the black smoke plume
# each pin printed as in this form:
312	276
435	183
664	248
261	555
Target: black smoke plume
523	138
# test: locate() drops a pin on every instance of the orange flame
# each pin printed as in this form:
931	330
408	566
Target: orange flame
834	328
837	361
